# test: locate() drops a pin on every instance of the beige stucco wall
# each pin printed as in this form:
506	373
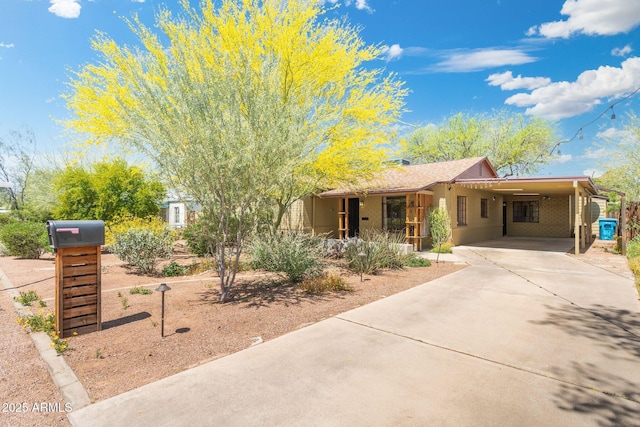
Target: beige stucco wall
371	213
554	218
477	228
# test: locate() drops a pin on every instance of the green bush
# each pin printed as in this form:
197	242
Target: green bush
380	249
413	260
173	269
297	255
27	298
142	248
633	249
25	239
197	237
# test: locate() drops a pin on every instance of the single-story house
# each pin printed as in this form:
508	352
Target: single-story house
481	205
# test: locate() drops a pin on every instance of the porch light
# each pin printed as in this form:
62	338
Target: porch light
162	288
362	203
361	255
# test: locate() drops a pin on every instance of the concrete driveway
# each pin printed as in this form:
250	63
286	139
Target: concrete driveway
523	337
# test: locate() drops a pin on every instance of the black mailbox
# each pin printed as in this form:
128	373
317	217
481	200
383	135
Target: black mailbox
71	234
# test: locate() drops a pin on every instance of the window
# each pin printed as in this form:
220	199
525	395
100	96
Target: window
176	214
462	210
525	211
484	208
396	214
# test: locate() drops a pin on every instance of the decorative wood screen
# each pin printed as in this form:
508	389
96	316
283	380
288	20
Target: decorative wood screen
343	218
78	290
416	204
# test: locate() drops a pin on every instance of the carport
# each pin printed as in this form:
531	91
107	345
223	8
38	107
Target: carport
561	207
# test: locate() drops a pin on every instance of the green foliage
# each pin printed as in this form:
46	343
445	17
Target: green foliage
413	260
152	223
515	144
322	283
439	226
621	164
25	239
106	191
381	250
140	290
141	248
45	322
26	298
173	269
633	248
199	237
443	248
297	255
248	106
17	153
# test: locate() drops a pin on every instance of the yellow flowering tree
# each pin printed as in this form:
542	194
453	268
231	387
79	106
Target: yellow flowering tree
247	106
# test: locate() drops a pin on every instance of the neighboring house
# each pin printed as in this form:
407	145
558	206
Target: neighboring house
480	204
177	213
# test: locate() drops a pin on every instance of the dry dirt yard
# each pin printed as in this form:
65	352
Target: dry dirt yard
129	351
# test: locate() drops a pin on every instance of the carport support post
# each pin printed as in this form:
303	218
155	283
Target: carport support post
576	218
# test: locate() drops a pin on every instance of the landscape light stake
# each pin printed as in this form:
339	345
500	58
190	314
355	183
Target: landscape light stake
162	288
361	255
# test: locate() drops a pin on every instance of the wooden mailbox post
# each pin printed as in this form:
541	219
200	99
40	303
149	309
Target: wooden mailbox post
77	245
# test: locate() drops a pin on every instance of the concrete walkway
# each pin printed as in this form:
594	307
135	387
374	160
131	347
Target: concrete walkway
522	337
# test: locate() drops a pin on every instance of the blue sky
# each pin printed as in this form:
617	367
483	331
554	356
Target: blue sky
567	61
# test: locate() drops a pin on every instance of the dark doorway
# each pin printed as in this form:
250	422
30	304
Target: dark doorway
354	217
504	219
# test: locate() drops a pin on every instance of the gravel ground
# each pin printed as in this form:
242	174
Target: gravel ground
130	352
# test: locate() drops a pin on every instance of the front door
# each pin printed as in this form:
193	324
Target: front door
504	219
354	217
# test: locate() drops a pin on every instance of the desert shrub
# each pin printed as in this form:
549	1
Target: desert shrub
633	248
25	239
443	248
381	250
120	224
198	238
141	248
297	255
173	269
413	260
140	290
324	283
27	298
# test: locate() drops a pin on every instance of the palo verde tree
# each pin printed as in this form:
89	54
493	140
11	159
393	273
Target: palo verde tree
621	164
514	144
17	163
439	228
106	190
248	106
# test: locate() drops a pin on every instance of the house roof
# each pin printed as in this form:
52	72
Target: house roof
541	185
413	178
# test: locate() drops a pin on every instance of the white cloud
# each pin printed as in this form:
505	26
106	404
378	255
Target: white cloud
592	17
593	173
506	81
6	45
622	51
392	52
612	133
482	59
562	158
598	154
359	4
567	99
65	8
